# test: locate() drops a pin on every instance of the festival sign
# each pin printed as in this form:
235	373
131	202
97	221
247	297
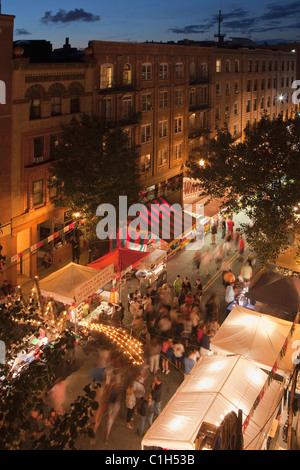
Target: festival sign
95	283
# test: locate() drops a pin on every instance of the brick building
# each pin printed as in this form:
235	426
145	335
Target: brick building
170	98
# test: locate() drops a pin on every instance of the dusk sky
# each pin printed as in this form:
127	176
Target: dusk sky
157	20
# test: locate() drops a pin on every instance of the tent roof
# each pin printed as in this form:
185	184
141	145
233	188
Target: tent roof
258	337
122	258
215	386
62	283
274	289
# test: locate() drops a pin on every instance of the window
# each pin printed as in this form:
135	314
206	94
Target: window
178	125
255	85
35	107
203	72
218	66
106	109
227	89
146	133
52	187
74	103
192	96
163	99
248	85
163	156
275	65
268	102
236	87
235	130
282	65
262	103
38	149
178	98
217	113
127	75
287	81
274	82
236	66
204	95
56	103
270	66
236	109
177	151
227	66
255	104
145	163
249	65
192	121
179	70
288	65
106	76
218	89
37	192
163	71
269	84
248	106
192	72
227	111
282	82
146	72
203	120
163	129
263	66
127	106
274	100
256	66
147	102
262	84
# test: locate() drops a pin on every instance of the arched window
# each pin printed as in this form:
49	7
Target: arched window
55	103
35	94
192	72
127	74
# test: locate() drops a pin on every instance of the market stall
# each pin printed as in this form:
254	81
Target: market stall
152	270
73	284
259	337
276	290
216	386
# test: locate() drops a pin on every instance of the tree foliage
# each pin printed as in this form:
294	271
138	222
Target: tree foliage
94	165
23	389
261	176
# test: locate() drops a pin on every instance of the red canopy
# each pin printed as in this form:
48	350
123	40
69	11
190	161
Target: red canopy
122	259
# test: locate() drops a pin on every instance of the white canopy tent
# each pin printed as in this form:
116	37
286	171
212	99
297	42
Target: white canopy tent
73	281
215	386
258	337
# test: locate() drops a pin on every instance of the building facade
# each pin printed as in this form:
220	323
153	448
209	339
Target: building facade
170	99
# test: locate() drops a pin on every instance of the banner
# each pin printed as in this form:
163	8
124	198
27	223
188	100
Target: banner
95	283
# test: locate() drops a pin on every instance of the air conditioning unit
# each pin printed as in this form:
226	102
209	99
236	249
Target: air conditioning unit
38	159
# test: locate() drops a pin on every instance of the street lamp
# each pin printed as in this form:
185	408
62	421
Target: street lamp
201	162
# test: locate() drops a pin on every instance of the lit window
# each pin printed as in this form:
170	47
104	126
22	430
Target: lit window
178	125
106	76
37	192
146	72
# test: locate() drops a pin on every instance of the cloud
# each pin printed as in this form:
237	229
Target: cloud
22	32
241	25
279	11
63	16
190	29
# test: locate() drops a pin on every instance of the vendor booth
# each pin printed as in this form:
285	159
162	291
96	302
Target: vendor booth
73	284
215	387
259	337
275	290
152	271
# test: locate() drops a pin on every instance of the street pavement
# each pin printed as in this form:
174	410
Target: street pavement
122	438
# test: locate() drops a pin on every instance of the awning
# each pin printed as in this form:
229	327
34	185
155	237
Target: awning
215	386
258	337
122	259
274	289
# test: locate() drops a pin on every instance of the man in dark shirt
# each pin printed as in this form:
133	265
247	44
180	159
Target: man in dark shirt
156	392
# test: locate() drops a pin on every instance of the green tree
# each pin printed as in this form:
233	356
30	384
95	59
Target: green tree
94	165
23	388
260	176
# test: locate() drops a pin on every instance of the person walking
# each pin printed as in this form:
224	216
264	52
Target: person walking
236	238
241	248
218	255
130	405
206	260
197	260
146	413
139	390
177	284
230	225
188	363
223	228
213	232
198	289
156	394
246	272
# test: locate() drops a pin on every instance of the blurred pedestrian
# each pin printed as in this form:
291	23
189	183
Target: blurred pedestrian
198	291
197	260
206	260
156	393
57	395
241	248
146	413
188	362
177	284
218	255
139	390
213	232
130	405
